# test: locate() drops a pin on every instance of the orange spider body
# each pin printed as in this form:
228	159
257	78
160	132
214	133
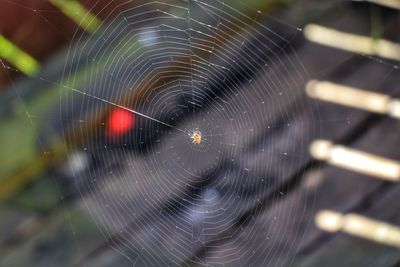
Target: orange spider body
196	137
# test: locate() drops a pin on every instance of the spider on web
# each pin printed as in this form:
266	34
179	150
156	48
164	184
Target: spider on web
196	137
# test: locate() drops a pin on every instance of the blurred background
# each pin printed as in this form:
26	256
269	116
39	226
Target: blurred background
295	104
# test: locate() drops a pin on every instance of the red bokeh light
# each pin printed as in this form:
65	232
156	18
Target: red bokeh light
120	122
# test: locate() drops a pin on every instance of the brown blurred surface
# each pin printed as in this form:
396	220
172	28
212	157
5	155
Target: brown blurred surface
40	29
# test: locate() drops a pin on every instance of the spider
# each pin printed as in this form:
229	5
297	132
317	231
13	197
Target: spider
196	137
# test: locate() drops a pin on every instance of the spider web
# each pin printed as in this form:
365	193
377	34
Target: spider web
184	57
194	63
